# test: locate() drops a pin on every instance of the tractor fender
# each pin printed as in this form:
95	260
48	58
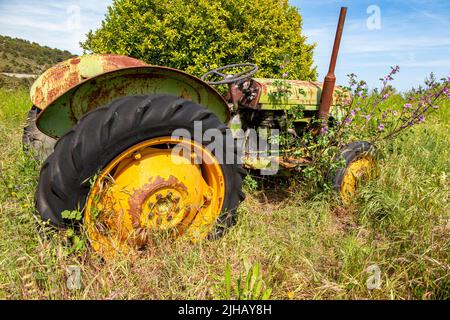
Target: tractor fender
65	97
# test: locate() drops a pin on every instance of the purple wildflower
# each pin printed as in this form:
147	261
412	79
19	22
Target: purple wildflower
421	118
381	127
348	121
435	107
385	96
407	105
286	74
394	113
324	130
352	113
384	115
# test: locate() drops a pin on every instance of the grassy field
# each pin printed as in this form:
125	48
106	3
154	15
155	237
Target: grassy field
307	248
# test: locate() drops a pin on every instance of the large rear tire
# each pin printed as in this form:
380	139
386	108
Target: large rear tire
34	141
107	136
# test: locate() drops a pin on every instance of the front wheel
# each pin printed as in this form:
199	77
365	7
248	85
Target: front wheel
360	165
125	169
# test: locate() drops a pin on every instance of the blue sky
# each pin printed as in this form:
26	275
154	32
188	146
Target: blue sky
411	33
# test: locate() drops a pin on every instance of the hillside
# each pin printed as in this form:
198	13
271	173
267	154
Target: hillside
22	56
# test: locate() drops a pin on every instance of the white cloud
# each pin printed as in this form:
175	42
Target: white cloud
47	22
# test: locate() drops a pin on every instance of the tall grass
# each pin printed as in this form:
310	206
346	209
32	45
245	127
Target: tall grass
303	248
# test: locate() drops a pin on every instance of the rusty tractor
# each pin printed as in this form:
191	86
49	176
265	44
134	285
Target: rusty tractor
129	145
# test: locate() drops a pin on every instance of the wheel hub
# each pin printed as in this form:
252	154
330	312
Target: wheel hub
151	188
360	169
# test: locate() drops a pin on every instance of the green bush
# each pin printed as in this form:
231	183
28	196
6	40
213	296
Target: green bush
200	35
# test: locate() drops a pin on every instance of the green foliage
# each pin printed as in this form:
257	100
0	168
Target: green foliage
248	286
199	35
74	215
77	241
376	117
250	184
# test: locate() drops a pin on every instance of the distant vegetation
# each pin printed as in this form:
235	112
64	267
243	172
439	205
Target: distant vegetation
12	83
22	56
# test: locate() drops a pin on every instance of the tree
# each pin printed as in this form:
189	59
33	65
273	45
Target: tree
198	35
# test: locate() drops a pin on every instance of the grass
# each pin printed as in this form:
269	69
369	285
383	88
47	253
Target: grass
302	248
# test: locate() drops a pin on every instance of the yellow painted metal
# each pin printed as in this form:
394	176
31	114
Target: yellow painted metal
162	184
305	93
361	169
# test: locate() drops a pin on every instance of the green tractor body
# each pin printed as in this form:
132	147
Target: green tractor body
74	87
115	119
66	92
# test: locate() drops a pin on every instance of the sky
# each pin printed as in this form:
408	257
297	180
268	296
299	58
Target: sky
413	34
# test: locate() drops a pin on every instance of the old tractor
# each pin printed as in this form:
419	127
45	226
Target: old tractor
129	145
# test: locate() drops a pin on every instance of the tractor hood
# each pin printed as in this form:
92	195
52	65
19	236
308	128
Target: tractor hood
74	87
306	93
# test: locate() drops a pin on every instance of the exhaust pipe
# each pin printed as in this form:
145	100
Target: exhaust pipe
330	79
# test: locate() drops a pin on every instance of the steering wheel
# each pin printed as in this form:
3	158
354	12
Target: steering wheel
230	78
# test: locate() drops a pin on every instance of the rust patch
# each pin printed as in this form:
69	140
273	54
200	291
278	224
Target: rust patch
185	94
139	196
117	61
292	162
64	76
75	61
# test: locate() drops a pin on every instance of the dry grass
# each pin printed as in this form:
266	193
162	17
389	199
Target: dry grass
308	248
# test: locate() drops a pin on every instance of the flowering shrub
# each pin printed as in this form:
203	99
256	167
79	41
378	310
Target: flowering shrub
362	115
383	114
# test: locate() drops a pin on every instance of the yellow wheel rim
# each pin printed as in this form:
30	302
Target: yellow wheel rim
361	169
162	184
